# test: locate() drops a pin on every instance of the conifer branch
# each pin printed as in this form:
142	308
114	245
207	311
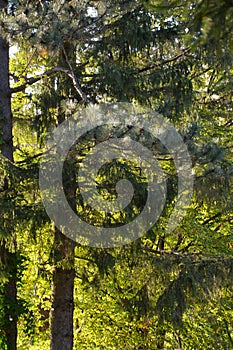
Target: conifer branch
180	253
48	73
229	219
170	60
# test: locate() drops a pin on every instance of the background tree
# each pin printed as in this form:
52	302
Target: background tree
8	258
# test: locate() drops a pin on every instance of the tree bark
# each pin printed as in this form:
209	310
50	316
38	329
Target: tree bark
8	258
62	297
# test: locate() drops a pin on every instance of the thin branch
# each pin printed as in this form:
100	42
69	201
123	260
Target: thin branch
212	218
228	331
194	76
158	252
29	61
230	219
180	253
48	73
83	258
156	65
33	157
186	248
74	79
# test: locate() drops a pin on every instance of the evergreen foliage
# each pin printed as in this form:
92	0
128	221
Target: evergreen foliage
165	290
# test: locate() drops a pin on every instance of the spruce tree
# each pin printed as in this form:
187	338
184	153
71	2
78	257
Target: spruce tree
156	55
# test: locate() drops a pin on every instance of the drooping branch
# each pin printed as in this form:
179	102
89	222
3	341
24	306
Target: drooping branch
48	73
156	65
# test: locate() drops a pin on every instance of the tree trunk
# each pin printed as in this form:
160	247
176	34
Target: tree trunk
63	278
8	258
5	102
9	328
63	273
62	297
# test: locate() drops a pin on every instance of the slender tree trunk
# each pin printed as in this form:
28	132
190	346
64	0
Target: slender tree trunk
63	278
63	273
8	258
63	286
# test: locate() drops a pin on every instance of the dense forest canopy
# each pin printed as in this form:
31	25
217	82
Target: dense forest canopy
165	289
